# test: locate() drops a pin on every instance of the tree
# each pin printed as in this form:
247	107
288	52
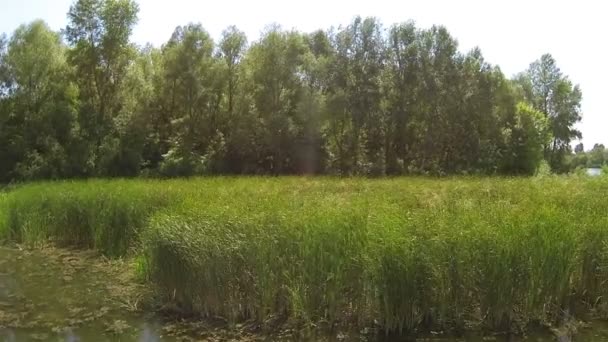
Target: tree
579	148
4	79
276	65
39	104
597	156
9	153
526	140
440	120
98	33
401	89
553	94
238	123
355	134
191	99
566	113
356	100
232	46
308	144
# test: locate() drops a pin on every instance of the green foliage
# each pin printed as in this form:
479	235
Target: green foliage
232	47
274	64
552	93
98	214
408	253
358	100
190	72
526	138
544	169
3	216
98	33
37	118
353	251
597	157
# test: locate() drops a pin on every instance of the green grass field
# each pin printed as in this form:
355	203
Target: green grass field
404	254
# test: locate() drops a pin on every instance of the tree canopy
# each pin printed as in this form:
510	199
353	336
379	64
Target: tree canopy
364	99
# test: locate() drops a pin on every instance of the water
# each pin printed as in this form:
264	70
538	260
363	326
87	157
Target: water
52	295
58	295
594	171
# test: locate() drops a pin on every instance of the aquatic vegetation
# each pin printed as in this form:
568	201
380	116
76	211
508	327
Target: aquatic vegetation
3	216
105	215
401	255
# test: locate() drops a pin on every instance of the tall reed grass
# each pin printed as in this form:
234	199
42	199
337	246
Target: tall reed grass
3	216
106	215
403	255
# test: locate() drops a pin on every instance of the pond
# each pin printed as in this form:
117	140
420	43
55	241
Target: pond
58	295
594	171
54	295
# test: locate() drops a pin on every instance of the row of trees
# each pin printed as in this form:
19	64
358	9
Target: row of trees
361	99
597	157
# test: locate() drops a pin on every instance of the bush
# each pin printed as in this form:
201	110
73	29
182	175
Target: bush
544	169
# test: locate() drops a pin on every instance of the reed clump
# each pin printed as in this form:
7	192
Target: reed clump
401	255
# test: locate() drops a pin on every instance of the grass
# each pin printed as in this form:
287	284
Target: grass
3	216
405	254
100	214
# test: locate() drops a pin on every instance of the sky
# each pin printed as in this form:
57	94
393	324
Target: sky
510	34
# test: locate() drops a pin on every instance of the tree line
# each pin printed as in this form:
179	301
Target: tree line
363	99
597	157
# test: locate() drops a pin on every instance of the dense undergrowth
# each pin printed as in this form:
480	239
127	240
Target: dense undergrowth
404	255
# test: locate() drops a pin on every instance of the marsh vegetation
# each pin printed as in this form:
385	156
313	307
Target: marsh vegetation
397	256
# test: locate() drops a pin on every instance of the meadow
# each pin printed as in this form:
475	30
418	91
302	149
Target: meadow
400	255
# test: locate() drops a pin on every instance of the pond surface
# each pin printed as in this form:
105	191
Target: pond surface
55	295
59	295
594	171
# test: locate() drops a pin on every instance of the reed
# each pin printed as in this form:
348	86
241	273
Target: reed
403	255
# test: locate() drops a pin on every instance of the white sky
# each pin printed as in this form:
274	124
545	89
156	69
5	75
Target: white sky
510	34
